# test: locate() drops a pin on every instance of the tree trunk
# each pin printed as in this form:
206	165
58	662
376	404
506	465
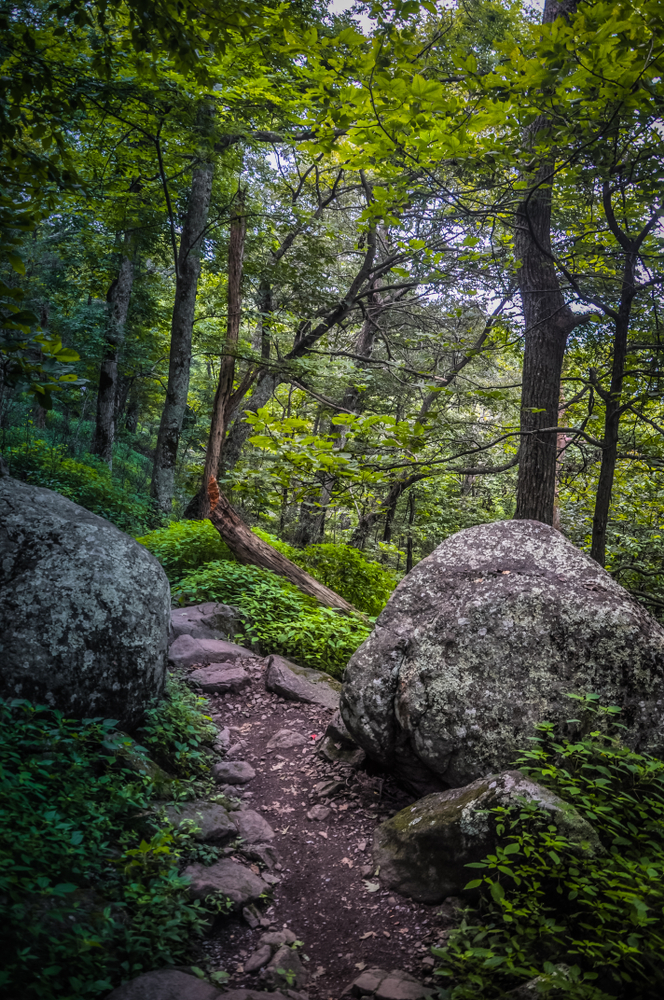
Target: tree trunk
227	366
133	409
117	298
248	548
265	310
548	322
612	401
409	540
186	287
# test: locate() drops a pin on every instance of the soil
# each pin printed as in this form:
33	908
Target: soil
328	894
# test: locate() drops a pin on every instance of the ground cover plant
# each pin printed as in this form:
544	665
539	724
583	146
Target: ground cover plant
276	615
90	890
592	927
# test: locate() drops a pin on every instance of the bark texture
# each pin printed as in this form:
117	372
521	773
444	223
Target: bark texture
548	322
613	398
186	287
222	398
118	298
250	549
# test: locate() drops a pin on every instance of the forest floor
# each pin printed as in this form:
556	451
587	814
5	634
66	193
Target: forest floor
327	893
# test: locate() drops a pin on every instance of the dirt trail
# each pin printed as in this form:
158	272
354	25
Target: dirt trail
327	893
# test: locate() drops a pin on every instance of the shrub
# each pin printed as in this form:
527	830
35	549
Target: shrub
176	732
366	584
88	484
593	926
185	545
84	901
277	615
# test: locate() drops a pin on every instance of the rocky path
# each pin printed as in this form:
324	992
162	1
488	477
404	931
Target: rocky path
322	801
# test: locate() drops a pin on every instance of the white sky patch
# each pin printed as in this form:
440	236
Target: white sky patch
341	6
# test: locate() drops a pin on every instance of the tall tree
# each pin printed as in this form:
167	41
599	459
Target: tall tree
118	298
223	398
187	271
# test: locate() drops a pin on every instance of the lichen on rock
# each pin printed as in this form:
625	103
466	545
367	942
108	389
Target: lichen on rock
484	639
84	609
423	850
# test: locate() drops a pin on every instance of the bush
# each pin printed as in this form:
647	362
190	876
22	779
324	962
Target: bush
88	484
185	545
366	584
277	615
544	907
176	732
84	902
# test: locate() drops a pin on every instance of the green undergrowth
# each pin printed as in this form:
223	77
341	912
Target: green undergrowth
590	927
183	546
364	583
177	733
276	615
88	483
90	887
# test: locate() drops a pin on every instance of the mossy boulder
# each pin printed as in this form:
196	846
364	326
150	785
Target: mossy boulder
84	609
484	639
423	850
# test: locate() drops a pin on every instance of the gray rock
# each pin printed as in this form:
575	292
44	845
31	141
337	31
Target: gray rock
286	968
251	914
165	984
244	994
251	826
212	819
278	938
259	958
265	853
224	737
335	754
285	739
205	621
233	772
84	609
301	683
485	638
401	986
422	850
319	812
328	788
225	878
186	652
338	733
218	678
367	982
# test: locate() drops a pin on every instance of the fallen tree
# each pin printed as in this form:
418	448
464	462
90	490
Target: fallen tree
249	548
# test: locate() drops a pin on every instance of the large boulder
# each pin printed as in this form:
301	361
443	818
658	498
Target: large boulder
485	638
84	609
423	850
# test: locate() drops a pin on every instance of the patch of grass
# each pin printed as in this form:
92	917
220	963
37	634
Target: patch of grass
364	583
177	732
